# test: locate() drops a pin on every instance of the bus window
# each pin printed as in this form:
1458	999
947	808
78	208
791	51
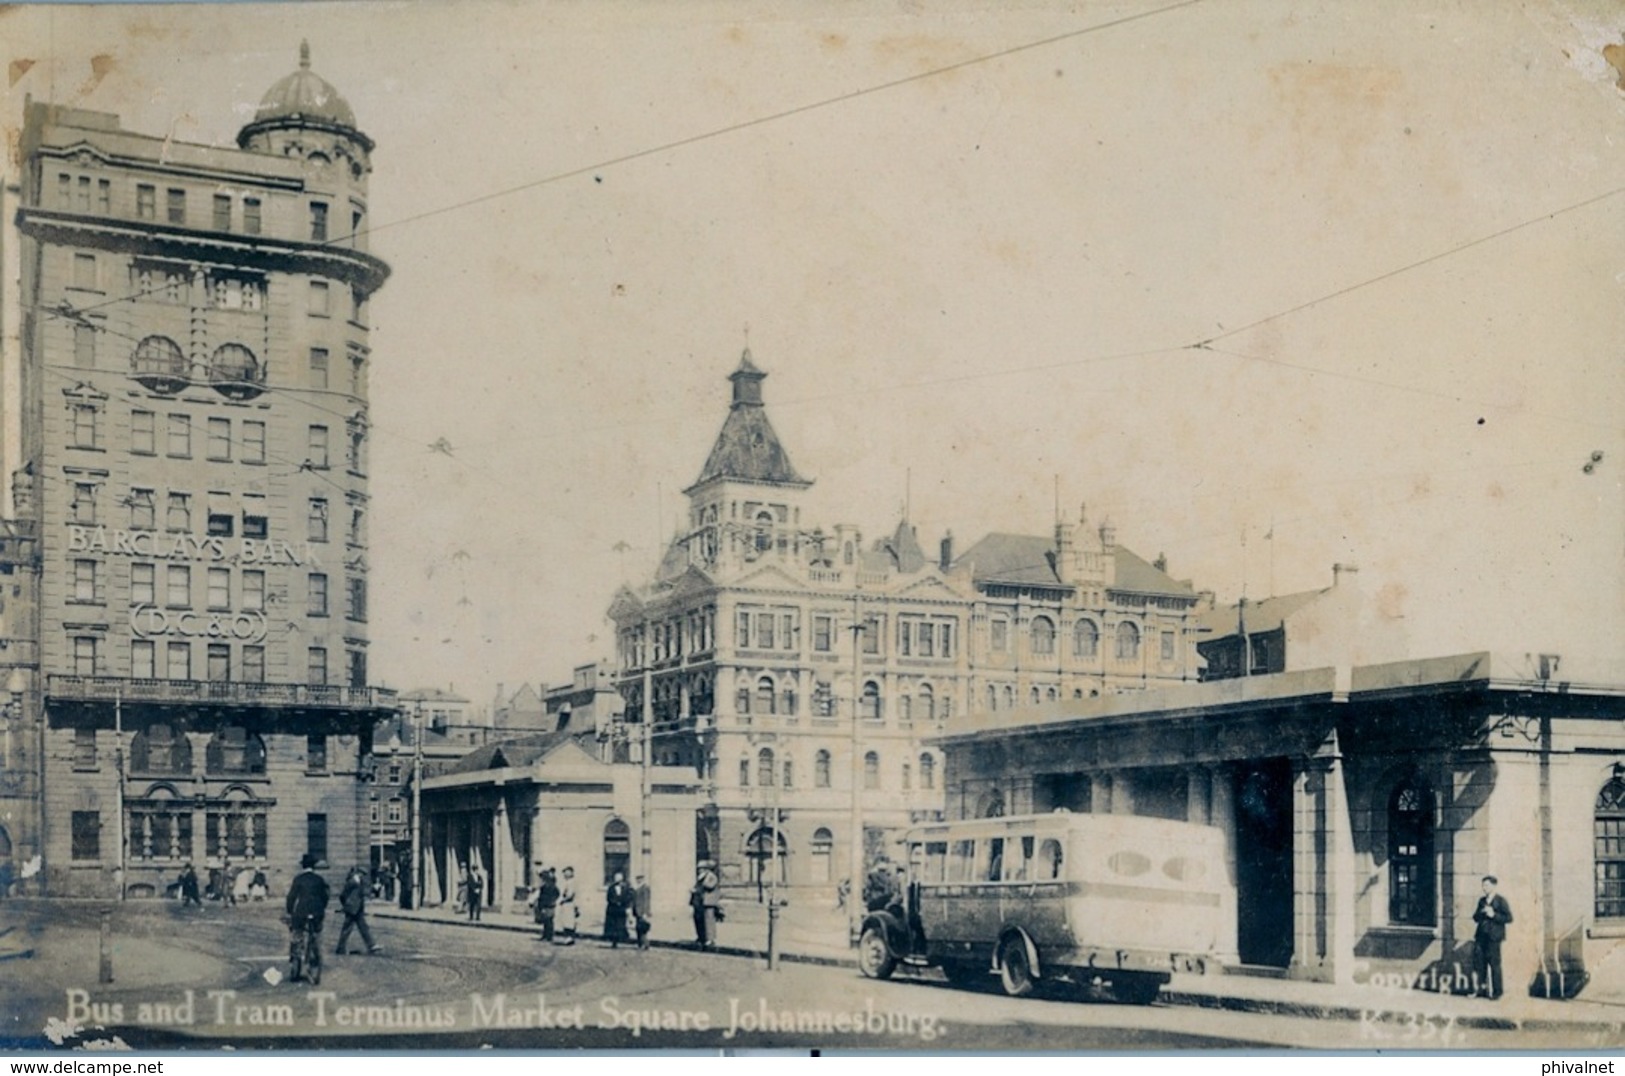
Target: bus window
964	857
936	861
1049	860
990	867
1017	870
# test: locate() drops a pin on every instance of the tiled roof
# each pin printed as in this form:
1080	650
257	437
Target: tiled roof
903	547
747	449
1029	560
1264	615
517	753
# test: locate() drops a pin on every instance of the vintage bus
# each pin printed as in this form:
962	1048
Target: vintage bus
1113	903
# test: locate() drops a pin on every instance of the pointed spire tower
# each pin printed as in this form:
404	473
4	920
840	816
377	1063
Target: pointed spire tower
746	502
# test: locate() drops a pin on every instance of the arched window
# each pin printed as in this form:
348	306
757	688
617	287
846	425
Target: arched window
1032	696
908	777
1608	842
928	703
159	364
235	750
766	696
789	774
1049	695
744	773
764	768
742	700
1049	860
928	771
617	849
1043	635
160	750
821	769
1085	639
1009	697
763	852
871	770
823	848
992	697
990	805
764	531
905	707
1410	855
235	372
870	706
1128	642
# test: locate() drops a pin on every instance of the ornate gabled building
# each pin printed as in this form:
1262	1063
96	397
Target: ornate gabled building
193	438
798	670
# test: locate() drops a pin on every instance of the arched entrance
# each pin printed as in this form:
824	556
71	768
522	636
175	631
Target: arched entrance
617	850
765	866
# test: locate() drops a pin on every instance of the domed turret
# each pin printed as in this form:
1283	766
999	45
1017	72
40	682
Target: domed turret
302	102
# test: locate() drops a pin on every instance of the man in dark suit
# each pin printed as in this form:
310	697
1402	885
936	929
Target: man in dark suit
1492	916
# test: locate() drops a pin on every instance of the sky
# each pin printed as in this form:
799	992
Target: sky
1271	285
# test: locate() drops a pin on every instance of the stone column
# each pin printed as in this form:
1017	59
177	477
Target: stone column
1323	869
1223	816
503	868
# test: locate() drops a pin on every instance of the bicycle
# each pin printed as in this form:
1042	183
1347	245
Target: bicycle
305	954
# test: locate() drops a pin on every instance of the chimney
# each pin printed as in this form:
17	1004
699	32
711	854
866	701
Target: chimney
1340	570
946	550
1161	563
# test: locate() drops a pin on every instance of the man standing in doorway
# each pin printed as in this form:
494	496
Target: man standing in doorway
1492	916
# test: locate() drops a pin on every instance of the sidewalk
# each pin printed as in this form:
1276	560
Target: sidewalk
1394	1017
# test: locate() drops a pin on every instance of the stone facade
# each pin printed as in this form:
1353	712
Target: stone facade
798	670
193	438
1361	808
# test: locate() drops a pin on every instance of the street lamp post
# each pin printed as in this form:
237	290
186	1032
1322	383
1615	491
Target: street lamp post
416	898
854	893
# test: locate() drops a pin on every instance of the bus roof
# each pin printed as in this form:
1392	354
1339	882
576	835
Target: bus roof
1057	822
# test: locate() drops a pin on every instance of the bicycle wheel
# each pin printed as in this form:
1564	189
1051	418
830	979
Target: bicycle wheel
313	959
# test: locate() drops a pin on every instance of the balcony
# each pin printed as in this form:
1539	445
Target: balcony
217	693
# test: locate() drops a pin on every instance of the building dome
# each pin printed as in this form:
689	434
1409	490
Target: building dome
305	95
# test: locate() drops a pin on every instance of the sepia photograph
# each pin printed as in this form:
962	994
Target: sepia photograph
873	525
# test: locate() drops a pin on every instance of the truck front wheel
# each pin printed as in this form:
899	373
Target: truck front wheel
875	958
1015	970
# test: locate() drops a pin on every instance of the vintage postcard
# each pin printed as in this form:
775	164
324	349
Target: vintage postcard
962	526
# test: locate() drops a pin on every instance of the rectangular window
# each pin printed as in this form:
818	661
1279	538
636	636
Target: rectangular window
316	752
318	222
905	638
84	426
316	665
64	190
222	522
84	347
357	366
254	664
179	656
823	633
316	525
318	594
219	589
253	441
220	662
928	638
143	582
319	298
871	635
84	272
316	836
356	604
222	212
742	631
764	631
178	586
358	527
253	590
180	436
357	660
945	635
143	659
256	521
176	205
84	749
104	196
85	656
999	635
84	194
83	508
316	455
397	812
220	439
84	581
87	835
146	201
143	433
178	513
251	216
143	510
318	367
1167	646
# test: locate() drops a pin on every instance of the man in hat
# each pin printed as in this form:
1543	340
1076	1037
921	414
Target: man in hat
353	900
706	905
308	895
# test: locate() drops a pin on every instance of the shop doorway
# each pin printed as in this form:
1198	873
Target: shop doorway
1263	799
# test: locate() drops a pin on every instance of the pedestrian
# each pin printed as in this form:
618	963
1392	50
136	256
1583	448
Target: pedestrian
189	894
228	881
460	902
308	895
476	892
259	886
1492	916
704	901
617	898
547	903
568	914
353	901
642	905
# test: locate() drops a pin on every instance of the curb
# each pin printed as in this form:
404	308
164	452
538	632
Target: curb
1311	1010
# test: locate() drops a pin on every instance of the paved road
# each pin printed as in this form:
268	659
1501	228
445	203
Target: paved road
214	976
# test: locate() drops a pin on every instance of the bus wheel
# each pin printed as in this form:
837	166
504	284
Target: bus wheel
874	955
1015	972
